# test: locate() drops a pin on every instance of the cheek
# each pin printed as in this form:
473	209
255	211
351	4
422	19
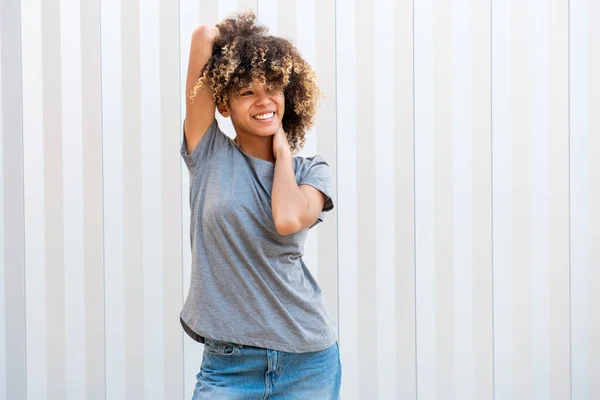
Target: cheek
235	109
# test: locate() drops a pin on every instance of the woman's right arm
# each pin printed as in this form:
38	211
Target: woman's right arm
199	112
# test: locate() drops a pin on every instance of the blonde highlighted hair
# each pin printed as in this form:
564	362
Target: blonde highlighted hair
244	53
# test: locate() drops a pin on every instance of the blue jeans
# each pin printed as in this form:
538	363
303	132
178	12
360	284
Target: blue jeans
230	371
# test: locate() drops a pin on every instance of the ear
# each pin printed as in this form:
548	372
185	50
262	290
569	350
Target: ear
224	111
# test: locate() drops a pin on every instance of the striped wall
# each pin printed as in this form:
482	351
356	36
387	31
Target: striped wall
461	261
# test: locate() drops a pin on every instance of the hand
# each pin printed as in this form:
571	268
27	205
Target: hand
280	142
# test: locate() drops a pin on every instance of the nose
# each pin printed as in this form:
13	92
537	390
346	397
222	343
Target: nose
263	99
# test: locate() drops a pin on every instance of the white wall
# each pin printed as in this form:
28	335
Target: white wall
460	261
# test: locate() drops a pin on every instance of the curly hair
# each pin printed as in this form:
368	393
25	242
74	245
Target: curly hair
243	52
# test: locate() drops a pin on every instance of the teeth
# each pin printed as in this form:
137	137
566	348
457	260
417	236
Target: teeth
264	116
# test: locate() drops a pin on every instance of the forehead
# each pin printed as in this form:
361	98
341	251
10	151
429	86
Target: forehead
256	84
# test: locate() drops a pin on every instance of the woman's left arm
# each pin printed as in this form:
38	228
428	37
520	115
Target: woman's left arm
294	207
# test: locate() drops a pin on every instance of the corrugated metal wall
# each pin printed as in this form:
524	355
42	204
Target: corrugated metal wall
462	259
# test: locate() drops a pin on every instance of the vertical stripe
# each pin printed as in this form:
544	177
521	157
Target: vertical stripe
172	239
53	196
384	146
580	174
404	200
481	202
191	13
286	20
442	199
594	194
227	8
151	222
73	200
209	11
304	36
133	201
501	192
92	142
247	5
34	199
267	14
113	197
12	222
521	203
366	198
301	30
297	22
325	136
462	199
3	317
346	95
558	233
540	279
424	205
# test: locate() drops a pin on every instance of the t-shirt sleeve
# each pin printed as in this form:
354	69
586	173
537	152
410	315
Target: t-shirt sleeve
213	140
315	171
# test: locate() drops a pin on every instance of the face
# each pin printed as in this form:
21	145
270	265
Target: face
255	110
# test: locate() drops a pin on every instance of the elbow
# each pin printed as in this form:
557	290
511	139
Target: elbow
287	227
205	32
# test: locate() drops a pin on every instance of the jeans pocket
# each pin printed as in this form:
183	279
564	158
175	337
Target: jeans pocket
220	348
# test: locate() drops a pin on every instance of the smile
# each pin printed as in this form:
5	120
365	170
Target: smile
264	116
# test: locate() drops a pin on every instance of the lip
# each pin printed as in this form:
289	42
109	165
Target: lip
265	121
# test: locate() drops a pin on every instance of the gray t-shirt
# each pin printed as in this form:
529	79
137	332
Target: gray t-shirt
249	285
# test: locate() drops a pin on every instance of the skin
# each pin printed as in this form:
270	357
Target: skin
294	207
254	136
200	112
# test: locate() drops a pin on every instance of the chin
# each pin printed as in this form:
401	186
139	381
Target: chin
266	130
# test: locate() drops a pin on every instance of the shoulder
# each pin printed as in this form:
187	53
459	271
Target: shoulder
313	169
212	142
305	164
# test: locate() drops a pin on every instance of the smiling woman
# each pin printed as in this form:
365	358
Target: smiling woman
252	300
243	55
255	111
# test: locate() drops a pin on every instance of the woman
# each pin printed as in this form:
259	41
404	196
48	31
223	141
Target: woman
252	301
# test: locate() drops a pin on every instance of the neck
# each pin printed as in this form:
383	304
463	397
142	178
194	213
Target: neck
256	146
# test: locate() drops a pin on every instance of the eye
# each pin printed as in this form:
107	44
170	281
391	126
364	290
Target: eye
245	93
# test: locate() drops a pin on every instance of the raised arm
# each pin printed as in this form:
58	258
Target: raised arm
200	111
